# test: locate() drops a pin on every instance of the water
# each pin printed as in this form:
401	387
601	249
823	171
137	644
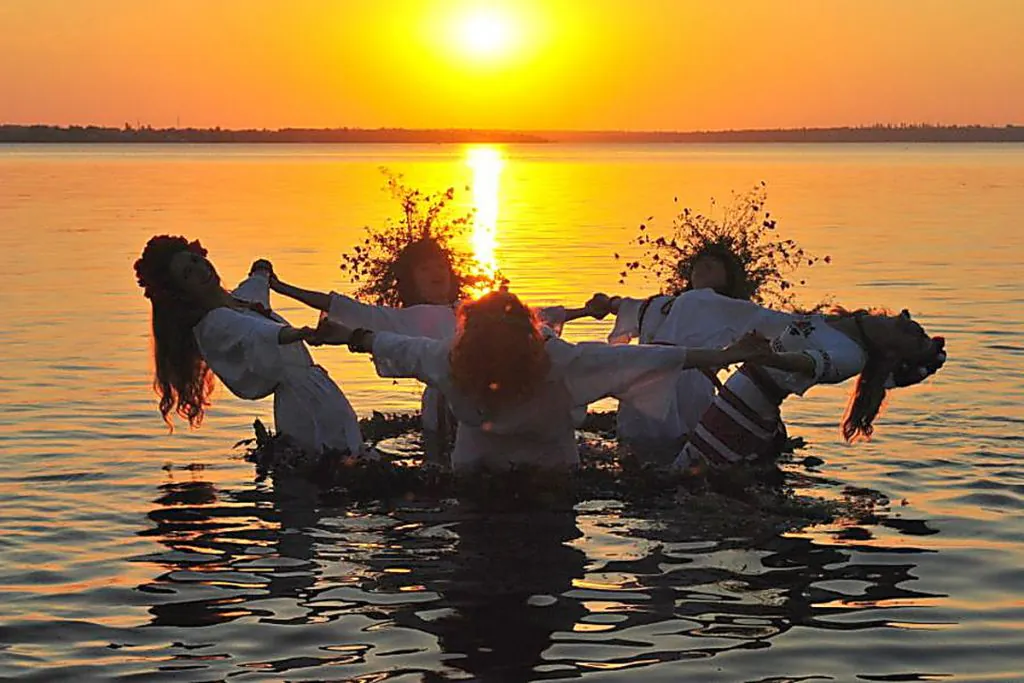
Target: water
131	552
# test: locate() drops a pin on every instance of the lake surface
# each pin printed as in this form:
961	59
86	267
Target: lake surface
130	552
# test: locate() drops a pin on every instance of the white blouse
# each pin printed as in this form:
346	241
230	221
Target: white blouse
433	321
241	347
696	318
836	357
743	420
537	430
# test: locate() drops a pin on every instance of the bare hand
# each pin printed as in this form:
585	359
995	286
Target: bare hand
752	347
291	335
598	306
331	333
265	266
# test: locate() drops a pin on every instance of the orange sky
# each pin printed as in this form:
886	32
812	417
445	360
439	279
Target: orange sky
555	64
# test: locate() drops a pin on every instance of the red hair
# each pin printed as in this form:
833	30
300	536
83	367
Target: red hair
498	356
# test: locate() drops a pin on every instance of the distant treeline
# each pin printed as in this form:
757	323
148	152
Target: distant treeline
880	133
148	134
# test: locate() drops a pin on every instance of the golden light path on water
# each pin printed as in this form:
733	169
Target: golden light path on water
486	163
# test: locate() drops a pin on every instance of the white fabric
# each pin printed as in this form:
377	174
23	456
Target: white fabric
540	429
241	348
836	358
424	320
433	321
628	322
697	318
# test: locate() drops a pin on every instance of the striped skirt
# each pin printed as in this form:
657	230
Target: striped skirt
742	424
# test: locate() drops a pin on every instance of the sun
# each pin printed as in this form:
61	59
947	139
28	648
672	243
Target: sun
486	33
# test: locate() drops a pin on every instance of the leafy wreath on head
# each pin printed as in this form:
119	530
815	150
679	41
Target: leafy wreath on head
424	218
745	236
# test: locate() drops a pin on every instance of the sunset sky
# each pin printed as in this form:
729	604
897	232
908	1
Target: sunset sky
520	64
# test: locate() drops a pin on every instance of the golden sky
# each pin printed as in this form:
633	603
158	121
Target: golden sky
522	64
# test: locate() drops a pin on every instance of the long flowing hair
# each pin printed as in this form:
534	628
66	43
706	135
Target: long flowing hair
498	357
182	379
871	392
868	398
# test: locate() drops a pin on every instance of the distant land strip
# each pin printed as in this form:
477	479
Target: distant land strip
10	133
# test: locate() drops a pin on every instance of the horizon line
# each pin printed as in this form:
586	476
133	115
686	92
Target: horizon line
528	131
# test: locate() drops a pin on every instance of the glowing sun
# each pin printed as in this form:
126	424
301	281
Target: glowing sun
486	33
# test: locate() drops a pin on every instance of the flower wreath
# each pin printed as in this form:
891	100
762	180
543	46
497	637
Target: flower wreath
745	232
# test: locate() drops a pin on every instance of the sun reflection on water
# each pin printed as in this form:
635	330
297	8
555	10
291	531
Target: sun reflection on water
486	163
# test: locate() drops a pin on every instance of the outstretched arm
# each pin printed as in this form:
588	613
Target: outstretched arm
313	299
627	316
790	361
597	307
290	335
597	370
576	313
557	316
750	347
256	287
394	355
316	300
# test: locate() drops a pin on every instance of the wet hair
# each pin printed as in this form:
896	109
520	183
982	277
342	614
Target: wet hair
498	356
182	379
868	396
737	285
411	256
882	372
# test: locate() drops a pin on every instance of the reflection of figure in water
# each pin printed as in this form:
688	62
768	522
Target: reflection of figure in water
485	579
731	589
504	583
212	533
503	595
501	563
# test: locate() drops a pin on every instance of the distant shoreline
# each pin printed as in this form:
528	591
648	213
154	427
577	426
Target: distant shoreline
44	134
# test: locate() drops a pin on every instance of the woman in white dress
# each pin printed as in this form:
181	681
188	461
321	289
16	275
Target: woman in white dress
201	330
712	311
513	386
884	351
428	290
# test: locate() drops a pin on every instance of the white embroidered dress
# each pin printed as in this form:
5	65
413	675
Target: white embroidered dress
742	421
241	348
697	318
